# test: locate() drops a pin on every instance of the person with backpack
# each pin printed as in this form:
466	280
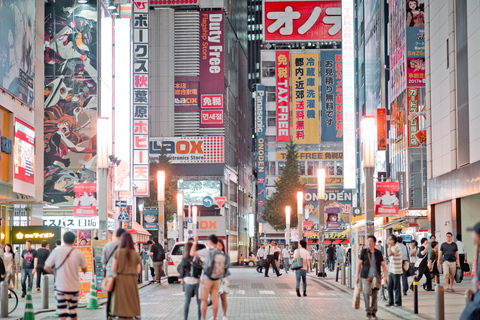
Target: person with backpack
224	284
190	273
214	269
158	255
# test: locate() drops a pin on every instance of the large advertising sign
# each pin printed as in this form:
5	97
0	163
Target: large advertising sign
396	40
151	219
194	191
71	85
211	68
305	98
211	225
312	155
189	149
140	100
332	94
290	21
338	207
86	277
283	95
71	222
417	135
398	117
415	57
381	129
261	156
24	152
348	63
17	49
186	94
85	201
386	200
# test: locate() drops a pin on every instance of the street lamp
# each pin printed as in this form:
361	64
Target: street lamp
194	218
180	215
141	207
321	220
161	205
287	220
300	216
102	172
368	132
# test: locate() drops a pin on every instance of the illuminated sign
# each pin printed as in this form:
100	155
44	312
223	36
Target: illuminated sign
210	225
186	94
195	190
24	152
332	113
260	130
417	134
287	21
329	155
211	117
189	149
283	95
85	201
71	222
348	62
36	234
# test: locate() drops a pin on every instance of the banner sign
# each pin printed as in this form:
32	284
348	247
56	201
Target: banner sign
308	228
386	200
416	56
382	129
86	278
141	170
337	209
150	217
260	131
98	246
212	77
305	115
211	225
327	155
283	95
171	232
329	181
71	222
290	21
24	147
186	94
294	235
332	111
85	201
203	149
417	135
396	40
397	117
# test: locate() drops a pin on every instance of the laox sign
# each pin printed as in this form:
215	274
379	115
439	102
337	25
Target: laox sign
183	147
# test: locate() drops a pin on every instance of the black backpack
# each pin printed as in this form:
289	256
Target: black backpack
160	252
196	267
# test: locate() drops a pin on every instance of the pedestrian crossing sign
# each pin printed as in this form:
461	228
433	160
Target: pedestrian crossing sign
123	216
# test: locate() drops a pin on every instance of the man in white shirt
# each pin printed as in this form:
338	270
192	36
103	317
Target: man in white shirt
286	258
462	251
405	265
269	256
260	254
66	260
395	272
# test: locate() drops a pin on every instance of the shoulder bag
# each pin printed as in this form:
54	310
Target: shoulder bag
108	283
297	263
61	264
377	280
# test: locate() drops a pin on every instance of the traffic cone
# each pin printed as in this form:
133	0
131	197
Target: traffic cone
29	315
92	300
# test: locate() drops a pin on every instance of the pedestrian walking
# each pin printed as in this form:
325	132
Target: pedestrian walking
369	271
395	272
472	310
462	251
9	262
189	275
301	274
150	261
42	254
260	255
405	265
224	284
65	262
432	265
158	255
423	266
432	238
286	258
269	256
339	254
29	262
126	265
330	257
381	247
276	255
107	261
449	251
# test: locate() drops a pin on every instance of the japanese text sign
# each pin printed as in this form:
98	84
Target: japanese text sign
85	201
287	21
86	278
381	129
283	95
386	200
71	222
260	130
417	134
186	94
332	96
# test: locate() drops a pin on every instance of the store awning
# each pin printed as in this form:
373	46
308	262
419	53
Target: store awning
356	226
138	229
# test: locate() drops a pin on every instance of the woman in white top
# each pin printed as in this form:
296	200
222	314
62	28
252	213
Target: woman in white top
303	253
9	262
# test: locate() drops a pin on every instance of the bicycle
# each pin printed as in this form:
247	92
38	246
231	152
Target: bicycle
12	301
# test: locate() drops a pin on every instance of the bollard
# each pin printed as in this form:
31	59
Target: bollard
439	303
349	272
145	272
415	295
45	292
4	304
338	270
343	274
468	296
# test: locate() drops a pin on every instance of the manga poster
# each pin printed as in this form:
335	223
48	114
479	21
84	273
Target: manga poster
17	48
337	209
70	114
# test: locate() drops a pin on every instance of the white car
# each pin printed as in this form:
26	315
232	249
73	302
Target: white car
174	259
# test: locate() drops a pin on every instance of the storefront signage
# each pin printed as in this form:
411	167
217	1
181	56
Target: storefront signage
386	200
36	234
85	201
260	131
283	95
86	277
150	217
205	149
71	222
381	129
210	225
24	152
332	111
98	246
186	94
313	155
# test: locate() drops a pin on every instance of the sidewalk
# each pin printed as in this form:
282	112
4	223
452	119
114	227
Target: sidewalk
454	301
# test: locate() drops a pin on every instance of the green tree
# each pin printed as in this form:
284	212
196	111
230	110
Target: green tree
285	193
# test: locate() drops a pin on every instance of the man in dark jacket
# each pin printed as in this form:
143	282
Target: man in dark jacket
158	255
423	268
42	255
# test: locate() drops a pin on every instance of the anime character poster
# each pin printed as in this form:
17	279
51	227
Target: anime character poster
415	13
337	209
85	201
17	48
70	114
386	200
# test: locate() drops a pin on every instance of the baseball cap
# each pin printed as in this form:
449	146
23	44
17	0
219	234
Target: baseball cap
475	228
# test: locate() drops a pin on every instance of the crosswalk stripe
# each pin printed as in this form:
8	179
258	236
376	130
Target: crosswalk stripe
266	292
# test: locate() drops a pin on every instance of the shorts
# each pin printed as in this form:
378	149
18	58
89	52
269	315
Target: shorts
66	300
209	287
449	269
224	286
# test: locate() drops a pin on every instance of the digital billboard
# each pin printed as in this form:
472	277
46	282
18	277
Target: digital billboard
24	166
195	190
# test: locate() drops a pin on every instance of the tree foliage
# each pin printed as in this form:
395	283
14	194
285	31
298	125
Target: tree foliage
285	194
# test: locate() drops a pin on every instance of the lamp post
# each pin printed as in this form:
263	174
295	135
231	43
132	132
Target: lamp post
300	216
287	220
161	206
194	220
321	221
141	207
369	129
180	215
102	172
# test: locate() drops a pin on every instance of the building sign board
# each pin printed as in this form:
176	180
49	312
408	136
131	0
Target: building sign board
203	149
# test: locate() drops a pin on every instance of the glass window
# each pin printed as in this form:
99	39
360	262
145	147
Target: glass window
271	118
339	168
301	167
330	168
310	168
281	166
271	168
268	69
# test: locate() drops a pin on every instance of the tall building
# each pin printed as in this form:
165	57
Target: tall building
254	41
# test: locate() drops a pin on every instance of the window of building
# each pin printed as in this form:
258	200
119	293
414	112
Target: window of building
301	167
311	165
339	168
271	168
271	118
271	93
268	69
281	166
329	168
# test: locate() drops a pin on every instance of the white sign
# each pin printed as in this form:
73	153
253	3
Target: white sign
189	149
111	224
71	222
348	61
210	225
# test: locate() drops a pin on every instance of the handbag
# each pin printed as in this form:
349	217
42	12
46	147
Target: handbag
297	264
356	298
411	269
108	283
458	275
466	267
440	268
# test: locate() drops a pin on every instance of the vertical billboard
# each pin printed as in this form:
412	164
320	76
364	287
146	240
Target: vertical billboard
381	129
140	100
24	152
396	40
348	64
305	117
398	117
386	200
282	67
85	201
212	69
70	115
417	135
261	156
332	96
415	56
17	49
338	207
373	59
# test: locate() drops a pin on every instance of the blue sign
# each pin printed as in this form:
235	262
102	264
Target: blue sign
260	131
332	112
150	219
120	203
189	220
208	201
123	216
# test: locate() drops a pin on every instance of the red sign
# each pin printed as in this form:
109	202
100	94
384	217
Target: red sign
302	21
386	201
85	201
220	201
283	95
24	152
212	100
382	129
212	117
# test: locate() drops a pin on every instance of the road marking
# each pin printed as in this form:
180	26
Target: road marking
326	294
266	292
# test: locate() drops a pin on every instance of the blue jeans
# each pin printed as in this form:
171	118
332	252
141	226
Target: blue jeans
394	286
191	289
25	273
301	273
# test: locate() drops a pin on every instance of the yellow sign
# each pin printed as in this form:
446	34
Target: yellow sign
329	155
305	106
27	236
329	181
